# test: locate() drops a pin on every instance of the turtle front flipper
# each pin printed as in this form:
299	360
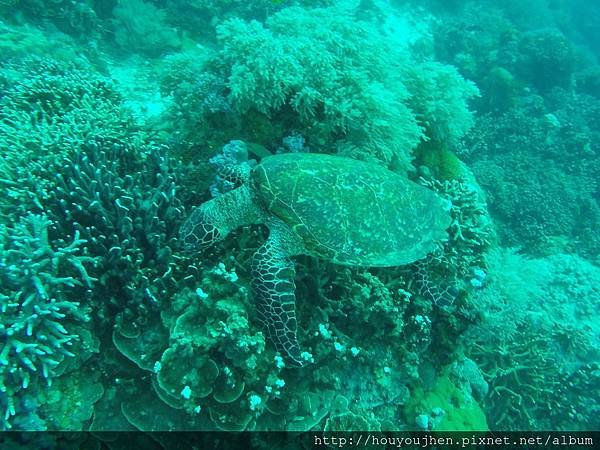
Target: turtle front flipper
273	285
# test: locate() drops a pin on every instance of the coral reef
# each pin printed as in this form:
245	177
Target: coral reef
141	26
546	59
537	341
452	272
44	295
525	150
113	115
116	200
48	109
78	19
312	88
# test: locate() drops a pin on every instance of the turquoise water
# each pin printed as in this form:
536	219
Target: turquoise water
448	281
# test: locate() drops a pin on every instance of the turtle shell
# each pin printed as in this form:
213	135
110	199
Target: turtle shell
351	212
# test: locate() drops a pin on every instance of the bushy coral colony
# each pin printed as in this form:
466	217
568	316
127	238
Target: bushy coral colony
119	118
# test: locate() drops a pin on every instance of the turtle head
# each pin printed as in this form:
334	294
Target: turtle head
202	229
213	220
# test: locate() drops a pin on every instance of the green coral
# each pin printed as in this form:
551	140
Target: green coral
442	163
71	401
448	408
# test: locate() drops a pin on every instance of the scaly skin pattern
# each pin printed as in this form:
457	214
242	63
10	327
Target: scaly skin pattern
273	287
213	220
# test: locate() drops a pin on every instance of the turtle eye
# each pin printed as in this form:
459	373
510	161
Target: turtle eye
197	233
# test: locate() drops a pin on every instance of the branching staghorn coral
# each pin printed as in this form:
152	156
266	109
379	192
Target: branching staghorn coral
41	291
123	200
48	109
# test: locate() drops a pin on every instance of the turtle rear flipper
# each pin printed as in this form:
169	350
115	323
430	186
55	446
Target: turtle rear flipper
442	291
273	285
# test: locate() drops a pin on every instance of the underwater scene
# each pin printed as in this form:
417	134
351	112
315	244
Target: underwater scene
283	215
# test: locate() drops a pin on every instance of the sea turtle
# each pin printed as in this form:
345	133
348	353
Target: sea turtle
343	210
